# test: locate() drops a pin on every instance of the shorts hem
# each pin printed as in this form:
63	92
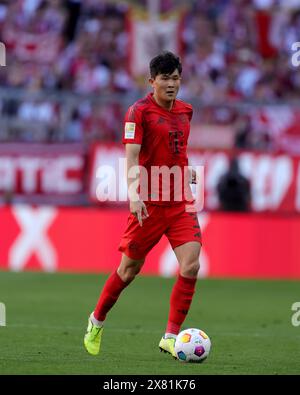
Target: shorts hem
184	242
130	255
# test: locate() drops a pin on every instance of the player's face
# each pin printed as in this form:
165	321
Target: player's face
166	86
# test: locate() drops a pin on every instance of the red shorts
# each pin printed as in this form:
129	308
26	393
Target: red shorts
173	221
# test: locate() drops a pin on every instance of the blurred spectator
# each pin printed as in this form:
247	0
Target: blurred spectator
101	123
74	131
233	51
243	134
226	49
83	46
234	189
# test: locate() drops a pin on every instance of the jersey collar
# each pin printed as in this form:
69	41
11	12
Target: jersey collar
150	95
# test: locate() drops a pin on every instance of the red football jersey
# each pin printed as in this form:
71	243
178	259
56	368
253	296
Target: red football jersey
163	135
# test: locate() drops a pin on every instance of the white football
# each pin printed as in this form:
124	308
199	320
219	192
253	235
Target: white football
192	345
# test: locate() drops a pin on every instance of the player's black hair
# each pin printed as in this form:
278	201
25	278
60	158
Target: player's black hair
165	63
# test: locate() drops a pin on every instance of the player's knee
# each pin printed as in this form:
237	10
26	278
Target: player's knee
128	273
190	269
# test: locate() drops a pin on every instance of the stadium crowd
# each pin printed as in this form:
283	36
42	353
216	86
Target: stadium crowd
233	52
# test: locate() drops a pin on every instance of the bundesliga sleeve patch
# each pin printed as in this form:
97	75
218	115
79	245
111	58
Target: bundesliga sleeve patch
129	130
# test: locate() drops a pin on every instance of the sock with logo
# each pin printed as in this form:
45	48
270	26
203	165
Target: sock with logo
111	291
180	301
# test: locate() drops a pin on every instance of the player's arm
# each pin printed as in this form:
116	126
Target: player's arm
137	206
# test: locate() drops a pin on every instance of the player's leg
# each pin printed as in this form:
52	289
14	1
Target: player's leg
182	292
135	244
111	291
184	287
185	238
115	284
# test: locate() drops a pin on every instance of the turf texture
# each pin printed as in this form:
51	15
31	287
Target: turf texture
249	323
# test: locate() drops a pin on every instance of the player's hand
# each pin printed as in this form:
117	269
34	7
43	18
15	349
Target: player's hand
139	210
193	177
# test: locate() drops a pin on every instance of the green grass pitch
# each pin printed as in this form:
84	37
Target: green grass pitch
249	323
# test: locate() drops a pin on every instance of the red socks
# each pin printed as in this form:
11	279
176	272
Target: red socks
180	301
109	295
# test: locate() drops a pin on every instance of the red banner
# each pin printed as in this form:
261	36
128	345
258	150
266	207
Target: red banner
86	240
37	169
44	173
41	47
148	36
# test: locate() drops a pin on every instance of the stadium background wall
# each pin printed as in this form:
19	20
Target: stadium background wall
66	174
65	239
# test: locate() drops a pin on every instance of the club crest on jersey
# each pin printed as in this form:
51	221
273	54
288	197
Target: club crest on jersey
129	130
